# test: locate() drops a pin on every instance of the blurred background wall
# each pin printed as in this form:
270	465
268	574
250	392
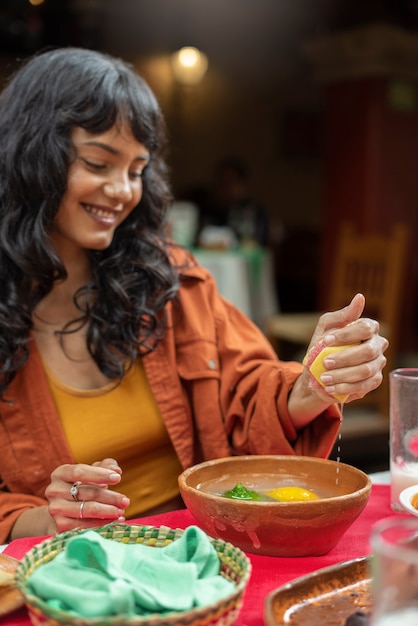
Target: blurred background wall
305	91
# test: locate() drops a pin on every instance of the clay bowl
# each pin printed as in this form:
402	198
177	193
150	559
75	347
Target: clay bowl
286	529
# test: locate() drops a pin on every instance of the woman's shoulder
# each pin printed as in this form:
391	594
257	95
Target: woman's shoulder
186	264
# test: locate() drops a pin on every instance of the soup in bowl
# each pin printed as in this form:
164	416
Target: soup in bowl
298	506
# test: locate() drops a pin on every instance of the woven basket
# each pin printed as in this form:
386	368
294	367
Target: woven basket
235	566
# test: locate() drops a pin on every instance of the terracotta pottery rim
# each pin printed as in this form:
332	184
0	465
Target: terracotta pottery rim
254	503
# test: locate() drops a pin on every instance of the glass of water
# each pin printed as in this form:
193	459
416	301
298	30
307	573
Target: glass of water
394	566
403	432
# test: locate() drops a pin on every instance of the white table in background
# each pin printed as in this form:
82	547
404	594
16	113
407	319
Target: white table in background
245	278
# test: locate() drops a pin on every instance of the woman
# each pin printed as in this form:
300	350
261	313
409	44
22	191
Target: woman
114	343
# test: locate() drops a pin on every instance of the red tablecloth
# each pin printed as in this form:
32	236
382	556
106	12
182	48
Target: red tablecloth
268	573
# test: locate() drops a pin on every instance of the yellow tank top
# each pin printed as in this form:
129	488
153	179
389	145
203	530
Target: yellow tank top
122	422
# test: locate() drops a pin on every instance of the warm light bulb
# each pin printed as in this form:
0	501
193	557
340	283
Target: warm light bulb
189	65
189	57
35	3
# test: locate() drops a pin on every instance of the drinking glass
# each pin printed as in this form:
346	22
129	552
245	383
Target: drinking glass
394	568
403	432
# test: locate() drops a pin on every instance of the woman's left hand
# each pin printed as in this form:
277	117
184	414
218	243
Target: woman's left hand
352	372
356	370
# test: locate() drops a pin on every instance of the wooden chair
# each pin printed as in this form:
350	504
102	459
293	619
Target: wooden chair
373	264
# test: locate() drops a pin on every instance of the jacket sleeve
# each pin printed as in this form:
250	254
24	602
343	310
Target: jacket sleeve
253	383
254	394
32	443
12	505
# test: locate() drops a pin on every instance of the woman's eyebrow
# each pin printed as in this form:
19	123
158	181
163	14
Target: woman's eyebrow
104	146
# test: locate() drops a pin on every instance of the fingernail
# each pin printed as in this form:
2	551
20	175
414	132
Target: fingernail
326	378
121	518
329	339
113	477
330	389
329	362
125	502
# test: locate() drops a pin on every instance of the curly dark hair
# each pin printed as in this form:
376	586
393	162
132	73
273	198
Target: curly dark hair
133	278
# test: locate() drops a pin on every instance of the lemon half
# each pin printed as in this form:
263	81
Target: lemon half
292	494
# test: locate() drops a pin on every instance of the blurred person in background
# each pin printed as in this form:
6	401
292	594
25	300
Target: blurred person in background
247	217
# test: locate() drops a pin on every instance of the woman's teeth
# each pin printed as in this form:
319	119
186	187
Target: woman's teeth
99	212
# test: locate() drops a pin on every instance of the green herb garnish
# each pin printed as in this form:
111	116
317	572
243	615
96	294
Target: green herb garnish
239	492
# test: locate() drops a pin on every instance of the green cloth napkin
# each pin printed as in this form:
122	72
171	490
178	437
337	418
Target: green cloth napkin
95	577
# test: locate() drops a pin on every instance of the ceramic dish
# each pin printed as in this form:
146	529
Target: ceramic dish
325	597
406	497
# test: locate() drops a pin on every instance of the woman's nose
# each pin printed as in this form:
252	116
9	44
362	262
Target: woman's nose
118	190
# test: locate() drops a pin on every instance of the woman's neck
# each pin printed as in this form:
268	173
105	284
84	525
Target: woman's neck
57	308
67	355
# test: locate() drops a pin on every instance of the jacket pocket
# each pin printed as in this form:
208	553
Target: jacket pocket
197	360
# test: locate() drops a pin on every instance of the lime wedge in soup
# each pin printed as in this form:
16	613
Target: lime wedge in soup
239	492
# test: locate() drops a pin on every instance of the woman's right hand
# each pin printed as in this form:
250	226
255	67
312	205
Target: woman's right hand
93	504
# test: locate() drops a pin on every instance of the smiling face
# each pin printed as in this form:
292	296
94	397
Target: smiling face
104	186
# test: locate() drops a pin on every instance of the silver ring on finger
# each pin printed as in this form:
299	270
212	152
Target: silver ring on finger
80	515
74	490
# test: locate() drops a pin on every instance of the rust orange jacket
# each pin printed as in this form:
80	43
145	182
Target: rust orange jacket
220	388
